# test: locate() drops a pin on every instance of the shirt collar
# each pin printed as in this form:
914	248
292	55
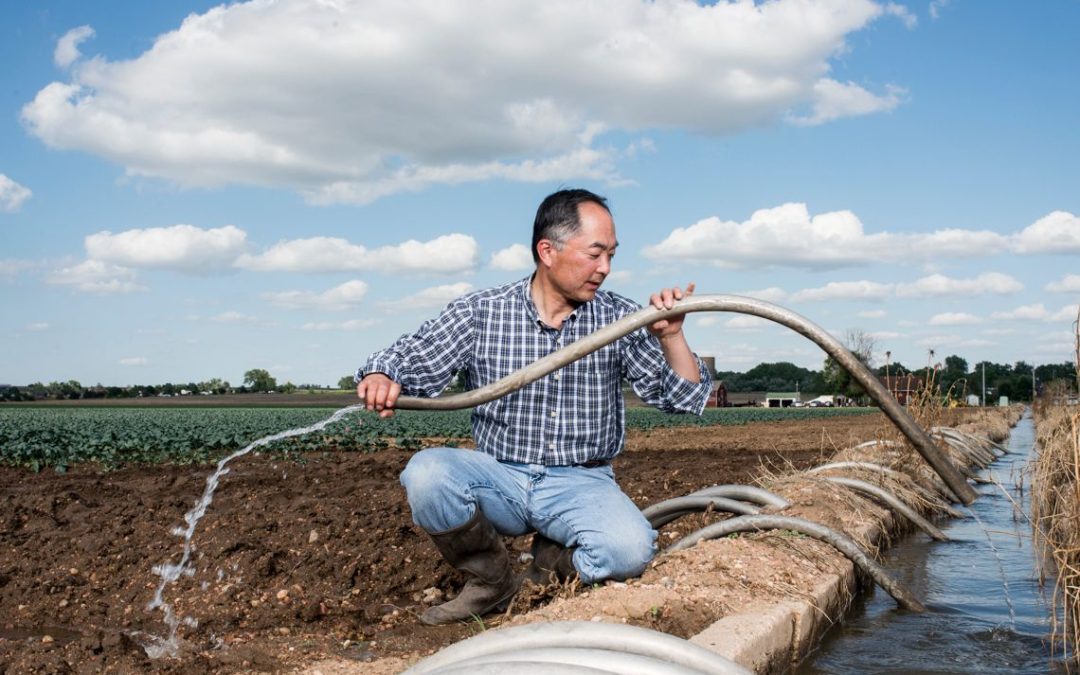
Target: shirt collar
530	306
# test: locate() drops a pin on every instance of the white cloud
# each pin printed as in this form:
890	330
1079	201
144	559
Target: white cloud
67	47
183	248
134	361
1036	312
12	267
232	316
936	6
1070	283
939	285
771	294
941	342
95	276
746	323
1057	232
514	258
308	93
37	326
834	100
1066	313
954	319
788	236
448	254
885	335
871	314
337	299
901	12
429	298
844	290
350	325
12	195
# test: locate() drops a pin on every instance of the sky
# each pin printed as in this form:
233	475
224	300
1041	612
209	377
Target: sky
191	190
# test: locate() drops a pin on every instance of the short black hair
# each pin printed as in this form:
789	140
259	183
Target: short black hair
557	216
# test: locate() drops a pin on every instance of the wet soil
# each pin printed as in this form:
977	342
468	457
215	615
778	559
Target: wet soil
297	559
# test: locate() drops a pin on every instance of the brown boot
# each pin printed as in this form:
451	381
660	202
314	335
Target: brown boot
475	548
551	561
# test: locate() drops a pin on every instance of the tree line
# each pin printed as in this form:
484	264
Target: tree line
256	380
951	378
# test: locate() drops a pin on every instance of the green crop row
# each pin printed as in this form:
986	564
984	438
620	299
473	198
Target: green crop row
38	437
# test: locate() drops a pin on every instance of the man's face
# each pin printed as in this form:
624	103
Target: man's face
584	262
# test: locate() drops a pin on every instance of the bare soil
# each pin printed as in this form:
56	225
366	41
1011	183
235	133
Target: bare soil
296	561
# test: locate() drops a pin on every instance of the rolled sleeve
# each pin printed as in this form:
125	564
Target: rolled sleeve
682	394
424	362
656	383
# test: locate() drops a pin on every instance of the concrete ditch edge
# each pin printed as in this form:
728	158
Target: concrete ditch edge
774	639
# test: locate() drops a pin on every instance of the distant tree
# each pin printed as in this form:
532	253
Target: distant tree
952	379
259	380
892	370
286	388
780	376
214	385
1053	372
837	380
346	382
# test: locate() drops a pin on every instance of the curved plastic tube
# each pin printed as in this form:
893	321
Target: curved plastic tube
523	667
745	493
580	634
989	445
664	512
816	530
891	500
589	660
714	303
968	445
897	475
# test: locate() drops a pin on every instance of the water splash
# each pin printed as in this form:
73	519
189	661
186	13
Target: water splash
157	646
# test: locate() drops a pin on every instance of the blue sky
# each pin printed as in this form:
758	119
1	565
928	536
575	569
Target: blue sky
190	190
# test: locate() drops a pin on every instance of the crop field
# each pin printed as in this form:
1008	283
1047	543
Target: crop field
57	437
301	555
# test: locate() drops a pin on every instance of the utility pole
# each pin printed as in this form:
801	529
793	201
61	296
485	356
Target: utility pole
1076	330
983	398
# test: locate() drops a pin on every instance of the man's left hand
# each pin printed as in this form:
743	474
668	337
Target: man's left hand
665	299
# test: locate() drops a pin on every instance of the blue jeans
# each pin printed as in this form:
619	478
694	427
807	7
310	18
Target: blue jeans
574	506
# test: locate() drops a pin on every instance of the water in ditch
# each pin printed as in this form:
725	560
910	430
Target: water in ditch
987	611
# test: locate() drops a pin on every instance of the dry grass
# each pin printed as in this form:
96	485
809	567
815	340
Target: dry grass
1055	507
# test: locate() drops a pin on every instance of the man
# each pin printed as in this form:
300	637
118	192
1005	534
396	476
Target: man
543	458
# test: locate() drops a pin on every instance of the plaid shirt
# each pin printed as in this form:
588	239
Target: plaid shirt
571	416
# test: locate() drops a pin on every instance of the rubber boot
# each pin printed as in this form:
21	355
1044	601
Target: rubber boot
477	549
551	561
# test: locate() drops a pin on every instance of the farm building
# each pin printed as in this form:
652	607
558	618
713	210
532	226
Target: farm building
781	399
904	387
718	396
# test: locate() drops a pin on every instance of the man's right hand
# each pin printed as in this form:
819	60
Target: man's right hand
379	392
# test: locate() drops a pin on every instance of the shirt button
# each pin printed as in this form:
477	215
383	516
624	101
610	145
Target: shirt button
551	446
557	376
554	413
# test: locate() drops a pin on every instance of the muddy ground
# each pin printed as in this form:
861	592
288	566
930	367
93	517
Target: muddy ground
295	561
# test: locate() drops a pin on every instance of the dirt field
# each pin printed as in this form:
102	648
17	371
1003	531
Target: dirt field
295	562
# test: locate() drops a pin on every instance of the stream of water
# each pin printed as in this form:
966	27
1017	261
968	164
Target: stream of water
987	611
157	646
